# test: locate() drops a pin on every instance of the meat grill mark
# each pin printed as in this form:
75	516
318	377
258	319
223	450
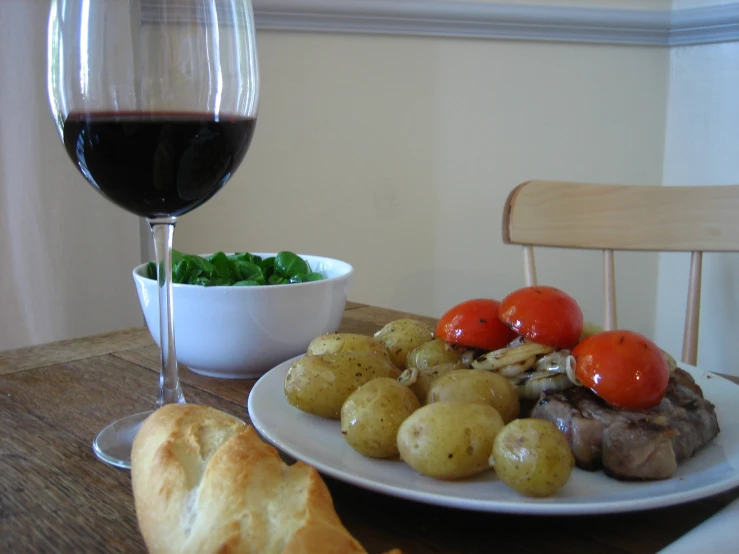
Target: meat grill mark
633	445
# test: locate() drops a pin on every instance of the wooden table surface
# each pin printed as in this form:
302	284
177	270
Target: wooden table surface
55	496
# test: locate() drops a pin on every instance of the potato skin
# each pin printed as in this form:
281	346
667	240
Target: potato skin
371	416
401	336
476	385
330	343
532	457
320	384
432	353
449	440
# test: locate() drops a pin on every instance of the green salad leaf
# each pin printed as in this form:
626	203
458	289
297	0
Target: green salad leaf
239	270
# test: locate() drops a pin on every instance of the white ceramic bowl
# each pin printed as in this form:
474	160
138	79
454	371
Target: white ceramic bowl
242	332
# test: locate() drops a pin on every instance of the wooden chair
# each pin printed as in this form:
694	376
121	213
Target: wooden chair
626	217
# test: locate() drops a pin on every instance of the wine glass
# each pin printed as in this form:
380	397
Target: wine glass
156	103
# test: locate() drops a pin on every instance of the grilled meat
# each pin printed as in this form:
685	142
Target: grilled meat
632	445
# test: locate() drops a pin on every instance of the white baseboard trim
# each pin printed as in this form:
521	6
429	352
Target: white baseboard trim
503	21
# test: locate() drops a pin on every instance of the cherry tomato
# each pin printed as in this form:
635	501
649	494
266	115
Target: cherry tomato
474	324
624	368
544	315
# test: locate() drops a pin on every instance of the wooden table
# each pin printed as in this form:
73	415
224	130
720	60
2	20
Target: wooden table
55	496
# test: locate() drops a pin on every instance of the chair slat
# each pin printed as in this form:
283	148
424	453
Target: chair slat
622	217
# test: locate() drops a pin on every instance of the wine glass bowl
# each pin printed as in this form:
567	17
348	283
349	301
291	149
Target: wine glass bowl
156	103
156	165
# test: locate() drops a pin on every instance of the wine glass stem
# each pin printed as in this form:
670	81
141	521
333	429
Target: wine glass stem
170	391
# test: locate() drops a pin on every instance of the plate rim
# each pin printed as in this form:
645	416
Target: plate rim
528	507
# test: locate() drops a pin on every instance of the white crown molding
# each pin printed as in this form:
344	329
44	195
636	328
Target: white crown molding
503	21
485	20
704	25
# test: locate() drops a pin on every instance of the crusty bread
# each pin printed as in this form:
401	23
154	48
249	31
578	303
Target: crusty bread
204	482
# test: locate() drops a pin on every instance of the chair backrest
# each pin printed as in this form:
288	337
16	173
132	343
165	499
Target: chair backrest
626	217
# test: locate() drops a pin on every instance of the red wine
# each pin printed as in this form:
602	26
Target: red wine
157	164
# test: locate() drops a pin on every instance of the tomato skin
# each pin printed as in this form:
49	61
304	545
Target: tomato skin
474	324
624	368
544	315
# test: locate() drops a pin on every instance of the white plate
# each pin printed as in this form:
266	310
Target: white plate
319	442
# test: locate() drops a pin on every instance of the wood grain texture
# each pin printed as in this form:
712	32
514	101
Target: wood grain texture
74	349
620	217
233	390
55	496
369	319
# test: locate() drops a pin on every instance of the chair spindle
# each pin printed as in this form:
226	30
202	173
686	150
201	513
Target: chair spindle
692	313
609	292
529	265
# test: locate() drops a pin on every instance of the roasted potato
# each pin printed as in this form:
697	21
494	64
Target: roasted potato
449	440
332	343
474	385
402	336
320	384
434	352
532	457
372	414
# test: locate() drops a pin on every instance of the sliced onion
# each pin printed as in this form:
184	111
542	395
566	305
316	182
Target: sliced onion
409	376
531	384
571	373
554	362
468	356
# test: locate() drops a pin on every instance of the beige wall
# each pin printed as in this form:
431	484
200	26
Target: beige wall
702	148
396	154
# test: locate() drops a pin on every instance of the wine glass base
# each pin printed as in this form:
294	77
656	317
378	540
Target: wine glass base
113	444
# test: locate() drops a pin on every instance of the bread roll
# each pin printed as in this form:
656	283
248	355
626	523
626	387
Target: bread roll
205	482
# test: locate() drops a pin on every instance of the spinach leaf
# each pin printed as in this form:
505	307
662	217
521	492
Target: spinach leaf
184	271
268	267
202	281
245	257
201	263
247	271
275	279
151	270
288	264
239	269
221	265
